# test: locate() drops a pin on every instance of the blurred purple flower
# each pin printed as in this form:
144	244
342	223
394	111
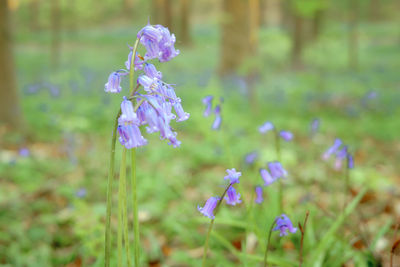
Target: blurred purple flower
268	179
232	197
286	135
332	149
266	127
233	176
113	84
251	157
151	71
218	119
24	152
283	224
314	126
340	156
350	161
259	195
209	207
208	102
81	193
276	169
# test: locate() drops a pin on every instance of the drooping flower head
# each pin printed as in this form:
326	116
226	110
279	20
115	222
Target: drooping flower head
209	207
332	149
266	127
232	198
113	84
259	195
276	169
267	178
286	135
233	176
207	101
284	225
138	61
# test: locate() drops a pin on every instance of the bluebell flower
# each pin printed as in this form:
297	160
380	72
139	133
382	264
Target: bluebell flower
314	127
283	224
266	127
286	135
259	195
209	207
350	161
182	115
113	84
276	169
268	179
81	193
232	198
129	132
166	45
251	157
138	61
24	152
340	156
218	119
332	149
233	176
208	102
151	71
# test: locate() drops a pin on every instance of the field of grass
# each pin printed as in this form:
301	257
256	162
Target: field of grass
53	201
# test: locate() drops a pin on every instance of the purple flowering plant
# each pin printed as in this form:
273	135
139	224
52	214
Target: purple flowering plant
148	105
212	205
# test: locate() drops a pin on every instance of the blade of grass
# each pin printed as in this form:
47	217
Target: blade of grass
319	252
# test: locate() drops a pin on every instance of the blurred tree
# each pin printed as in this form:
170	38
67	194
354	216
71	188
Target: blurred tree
55	33
297	39
10	112
128	6
236	35
34	7
162	13
185	22
374	10
353	11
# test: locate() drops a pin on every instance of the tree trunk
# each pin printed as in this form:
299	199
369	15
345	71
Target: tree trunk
185	22
55	33
297	41
128	6
317	23
33	13
374	8
10	112
262	12
353	34
235	39
162	13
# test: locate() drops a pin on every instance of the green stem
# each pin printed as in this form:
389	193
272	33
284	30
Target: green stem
268	242
132	68
135	209
109	194
278	157
124	211
122	177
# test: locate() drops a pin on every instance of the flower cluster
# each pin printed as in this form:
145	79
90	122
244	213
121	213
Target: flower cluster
283	224
230	195
276	171
207	101
153	105
341	154
268	126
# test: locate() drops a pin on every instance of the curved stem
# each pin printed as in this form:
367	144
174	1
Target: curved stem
132	68
267	245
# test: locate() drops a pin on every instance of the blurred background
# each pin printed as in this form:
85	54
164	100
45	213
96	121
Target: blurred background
286	61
